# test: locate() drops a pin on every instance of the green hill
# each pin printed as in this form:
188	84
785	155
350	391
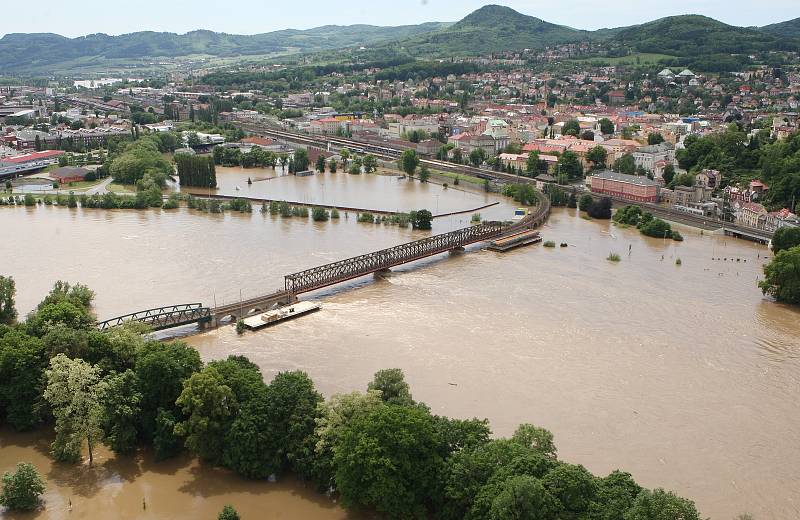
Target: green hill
698	40
694	35
493	28
25	52
787	29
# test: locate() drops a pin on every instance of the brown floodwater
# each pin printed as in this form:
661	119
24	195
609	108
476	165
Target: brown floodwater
380	192
122	488
683	375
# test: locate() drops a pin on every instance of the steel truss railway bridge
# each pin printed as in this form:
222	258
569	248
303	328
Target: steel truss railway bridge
333	273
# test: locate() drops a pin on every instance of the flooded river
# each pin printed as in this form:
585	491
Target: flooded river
683	375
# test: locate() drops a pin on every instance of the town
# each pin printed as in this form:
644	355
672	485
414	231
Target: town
619	130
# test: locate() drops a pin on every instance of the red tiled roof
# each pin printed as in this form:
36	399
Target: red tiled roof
33	156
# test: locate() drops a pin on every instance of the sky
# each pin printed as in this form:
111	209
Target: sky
257	16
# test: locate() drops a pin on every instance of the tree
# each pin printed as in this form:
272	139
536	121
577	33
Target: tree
160	370
661	505
625	164
370	163
344	153
588	135
532	164
228	513
784	238
252	442
408	161
655	138
391	383
585	202
421	219
121	411
8	312
535	438
321	163
208	404
75	393
668	174
572	485
389	460
615	495
782	276
424	173
571	127
523	497
332	165
600	209
300	160
606	126
570	165
166	443
597	156
477	156
293	405
22	362
334	417
22	488
458	156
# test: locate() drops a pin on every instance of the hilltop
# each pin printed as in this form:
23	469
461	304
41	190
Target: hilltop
493	28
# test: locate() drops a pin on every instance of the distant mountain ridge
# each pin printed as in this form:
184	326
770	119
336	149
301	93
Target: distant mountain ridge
35	50
490	29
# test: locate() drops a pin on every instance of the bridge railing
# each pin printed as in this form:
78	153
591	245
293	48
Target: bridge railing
335	272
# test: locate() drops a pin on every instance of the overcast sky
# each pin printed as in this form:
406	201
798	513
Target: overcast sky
255	16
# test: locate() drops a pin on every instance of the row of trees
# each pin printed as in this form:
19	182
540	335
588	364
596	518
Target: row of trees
195	170
377	450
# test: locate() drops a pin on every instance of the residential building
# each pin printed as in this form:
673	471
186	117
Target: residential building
648	156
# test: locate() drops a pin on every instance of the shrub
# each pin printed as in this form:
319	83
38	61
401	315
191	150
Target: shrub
549	243
366	217
334	213
21	489
319	214
240	326
613	257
